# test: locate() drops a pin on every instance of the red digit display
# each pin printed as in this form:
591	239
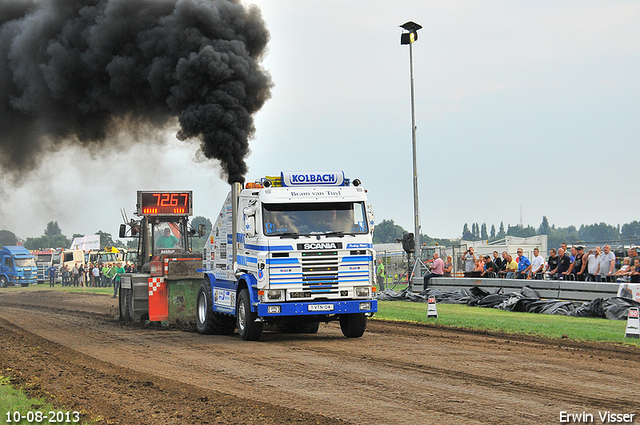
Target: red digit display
164	203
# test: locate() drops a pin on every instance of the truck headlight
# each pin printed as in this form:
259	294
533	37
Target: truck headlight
275	294
362	291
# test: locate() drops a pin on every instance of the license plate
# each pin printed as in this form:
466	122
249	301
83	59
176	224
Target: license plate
320	307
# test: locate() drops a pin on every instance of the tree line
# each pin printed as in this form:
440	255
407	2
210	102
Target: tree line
388	232
52	237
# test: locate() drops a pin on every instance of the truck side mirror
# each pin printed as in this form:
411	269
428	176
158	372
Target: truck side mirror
123	231
371	217
249	221
202	228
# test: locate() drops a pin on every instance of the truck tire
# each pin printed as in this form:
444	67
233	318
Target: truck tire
353	325
123	304
4	283
248	328
209	321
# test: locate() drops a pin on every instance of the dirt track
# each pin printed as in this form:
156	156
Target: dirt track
69	347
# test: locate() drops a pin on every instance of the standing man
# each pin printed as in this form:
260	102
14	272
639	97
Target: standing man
505	262
607	261
537	265
552	262
51	272
96	275
437	270
469	260
380	275
579	265
523	265
81	275
75	274
497	261
116	279
65	275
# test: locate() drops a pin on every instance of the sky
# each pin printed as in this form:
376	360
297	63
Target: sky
523	110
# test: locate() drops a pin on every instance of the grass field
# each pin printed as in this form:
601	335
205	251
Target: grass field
491	319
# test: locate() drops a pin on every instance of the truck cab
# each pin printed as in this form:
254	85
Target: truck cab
17	266
293	251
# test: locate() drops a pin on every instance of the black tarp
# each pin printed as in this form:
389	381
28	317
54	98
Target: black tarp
526	300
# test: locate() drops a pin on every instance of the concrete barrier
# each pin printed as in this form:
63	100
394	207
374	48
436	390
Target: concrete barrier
563	290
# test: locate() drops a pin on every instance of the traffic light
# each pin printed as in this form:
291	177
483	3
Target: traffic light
408	243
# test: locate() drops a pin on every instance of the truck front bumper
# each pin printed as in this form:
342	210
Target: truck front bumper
317	308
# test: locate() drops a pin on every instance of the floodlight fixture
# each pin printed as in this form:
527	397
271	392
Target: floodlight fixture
412	32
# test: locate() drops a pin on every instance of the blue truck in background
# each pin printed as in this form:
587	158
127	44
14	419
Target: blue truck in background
17	266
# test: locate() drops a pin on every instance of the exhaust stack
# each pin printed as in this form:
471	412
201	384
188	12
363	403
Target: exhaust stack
235	195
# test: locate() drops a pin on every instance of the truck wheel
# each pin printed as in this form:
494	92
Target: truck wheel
353	325
203	309
249	329
123	304
3	282
209	321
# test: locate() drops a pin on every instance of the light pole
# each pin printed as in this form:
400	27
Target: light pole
409	37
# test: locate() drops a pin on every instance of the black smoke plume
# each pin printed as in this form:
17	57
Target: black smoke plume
81	71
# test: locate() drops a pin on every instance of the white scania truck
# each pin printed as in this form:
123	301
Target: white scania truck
292	251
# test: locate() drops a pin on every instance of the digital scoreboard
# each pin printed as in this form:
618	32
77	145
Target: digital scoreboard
163	203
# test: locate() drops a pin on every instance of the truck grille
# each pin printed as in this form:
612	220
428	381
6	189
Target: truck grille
320	271
324	274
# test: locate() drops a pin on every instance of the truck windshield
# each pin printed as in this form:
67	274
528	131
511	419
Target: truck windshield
318	218
108	257
25	262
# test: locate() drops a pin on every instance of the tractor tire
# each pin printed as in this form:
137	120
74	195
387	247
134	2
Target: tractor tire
248	328
123	305
4	282
353	325
130	304
209	321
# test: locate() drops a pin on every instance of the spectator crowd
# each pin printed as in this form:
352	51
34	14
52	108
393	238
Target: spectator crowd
595	265
92	275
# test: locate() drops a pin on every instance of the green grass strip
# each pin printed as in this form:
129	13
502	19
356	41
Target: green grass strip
17	408
492	319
